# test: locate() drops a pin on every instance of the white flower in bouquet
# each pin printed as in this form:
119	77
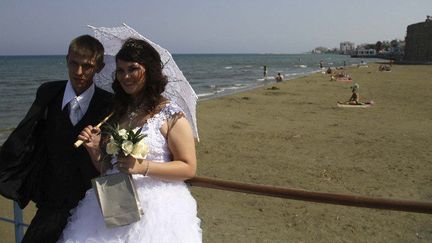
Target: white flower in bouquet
112	148
129	142
127	147
140	150
123	133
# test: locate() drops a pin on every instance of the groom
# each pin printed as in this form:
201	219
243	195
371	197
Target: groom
53	173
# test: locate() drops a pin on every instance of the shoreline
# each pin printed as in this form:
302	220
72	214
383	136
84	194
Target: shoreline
253	87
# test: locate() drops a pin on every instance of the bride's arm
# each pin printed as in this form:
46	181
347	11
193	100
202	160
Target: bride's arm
181	143
182	146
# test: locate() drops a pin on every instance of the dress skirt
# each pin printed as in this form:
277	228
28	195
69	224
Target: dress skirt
170	215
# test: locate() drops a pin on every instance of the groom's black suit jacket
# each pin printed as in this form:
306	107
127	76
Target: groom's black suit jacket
39	162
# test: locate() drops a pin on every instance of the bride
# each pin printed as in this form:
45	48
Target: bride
170	212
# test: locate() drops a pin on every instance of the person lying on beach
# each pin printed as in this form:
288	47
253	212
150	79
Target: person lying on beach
341	76
386	68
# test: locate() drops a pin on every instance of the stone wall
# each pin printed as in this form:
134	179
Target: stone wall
418	43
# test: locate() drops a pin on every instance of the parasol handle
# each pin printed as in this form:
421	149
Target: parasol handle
80	142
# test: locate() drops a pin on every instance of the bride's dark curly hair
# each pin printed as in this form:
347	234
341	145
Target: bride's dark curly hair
140	51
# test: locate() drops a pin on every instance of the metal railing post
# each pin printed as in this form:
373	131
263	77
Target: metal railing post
19	225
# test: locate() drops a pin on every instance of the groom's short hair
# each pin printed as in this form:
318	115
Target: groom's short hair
87	45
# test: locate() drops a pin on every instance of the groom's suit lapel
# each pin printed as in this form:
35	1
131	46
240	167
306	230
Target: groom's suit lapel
97	108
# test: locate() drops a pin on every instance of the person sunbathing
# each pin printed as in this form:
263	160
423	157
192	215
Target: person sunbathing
342	77
386	68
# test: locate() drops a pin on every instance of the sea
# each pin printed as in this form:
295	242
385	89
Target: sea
210	75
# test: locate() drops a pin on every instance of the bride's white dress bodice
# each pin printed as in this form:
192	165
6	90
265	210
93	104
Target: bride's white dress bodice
156	141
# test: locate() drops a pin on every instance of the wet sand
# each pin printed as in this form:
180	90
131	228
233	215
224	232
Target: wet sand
292	134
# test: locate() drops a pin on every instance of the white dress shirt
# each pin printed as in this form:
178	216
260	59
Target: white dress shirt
83	99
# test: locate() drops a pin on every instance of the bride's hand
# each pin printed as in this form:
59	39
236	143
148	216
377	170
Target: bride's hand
130	165
91	137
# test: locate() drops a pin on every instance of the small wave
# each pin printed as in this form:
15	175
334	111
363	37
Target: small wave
228	67
265	79
300	66
205	94
231	88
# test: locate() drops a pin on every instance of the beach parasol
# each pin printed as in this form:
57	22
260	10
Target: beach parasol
178	89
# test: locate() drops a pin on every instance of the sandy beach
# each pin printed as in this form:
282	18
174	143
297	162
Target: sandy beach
296	137
292	134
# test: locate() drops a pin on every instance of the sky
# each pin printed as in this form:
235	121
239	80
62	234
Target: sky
45	27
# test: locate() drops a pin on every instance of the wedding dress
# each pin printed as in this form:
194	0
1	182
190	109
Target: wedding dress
170	211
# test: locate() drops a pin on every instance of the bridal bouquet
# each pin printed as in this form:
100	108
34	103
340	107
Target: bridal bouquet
128	142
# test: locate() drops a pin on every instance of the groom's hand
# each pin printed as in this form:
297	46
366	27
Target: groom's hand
91	137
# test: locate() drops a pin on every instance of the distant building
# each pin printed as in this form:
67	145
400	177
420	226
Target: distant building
325	50
347	48
418	42
362	52
320	50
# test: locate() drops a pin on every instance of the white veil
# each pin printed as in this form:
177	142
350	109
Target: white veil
178	89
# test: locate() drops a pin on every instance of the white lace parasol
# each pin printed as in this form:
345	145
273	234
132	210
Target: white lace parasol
178	89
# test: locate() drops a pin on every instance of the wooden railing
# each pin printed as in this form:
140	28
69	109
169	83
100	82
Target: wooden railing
319	197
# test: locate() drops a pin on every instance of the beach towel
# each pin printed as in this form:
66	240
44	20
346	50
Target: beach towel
365	105
344	80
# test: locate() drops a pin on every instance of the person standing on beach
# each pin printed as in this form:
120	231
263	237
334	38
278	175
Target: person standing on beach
265	71
56	175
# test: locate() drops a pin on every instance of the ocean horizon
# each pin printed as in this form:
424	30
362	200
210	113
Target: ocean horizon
210	75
